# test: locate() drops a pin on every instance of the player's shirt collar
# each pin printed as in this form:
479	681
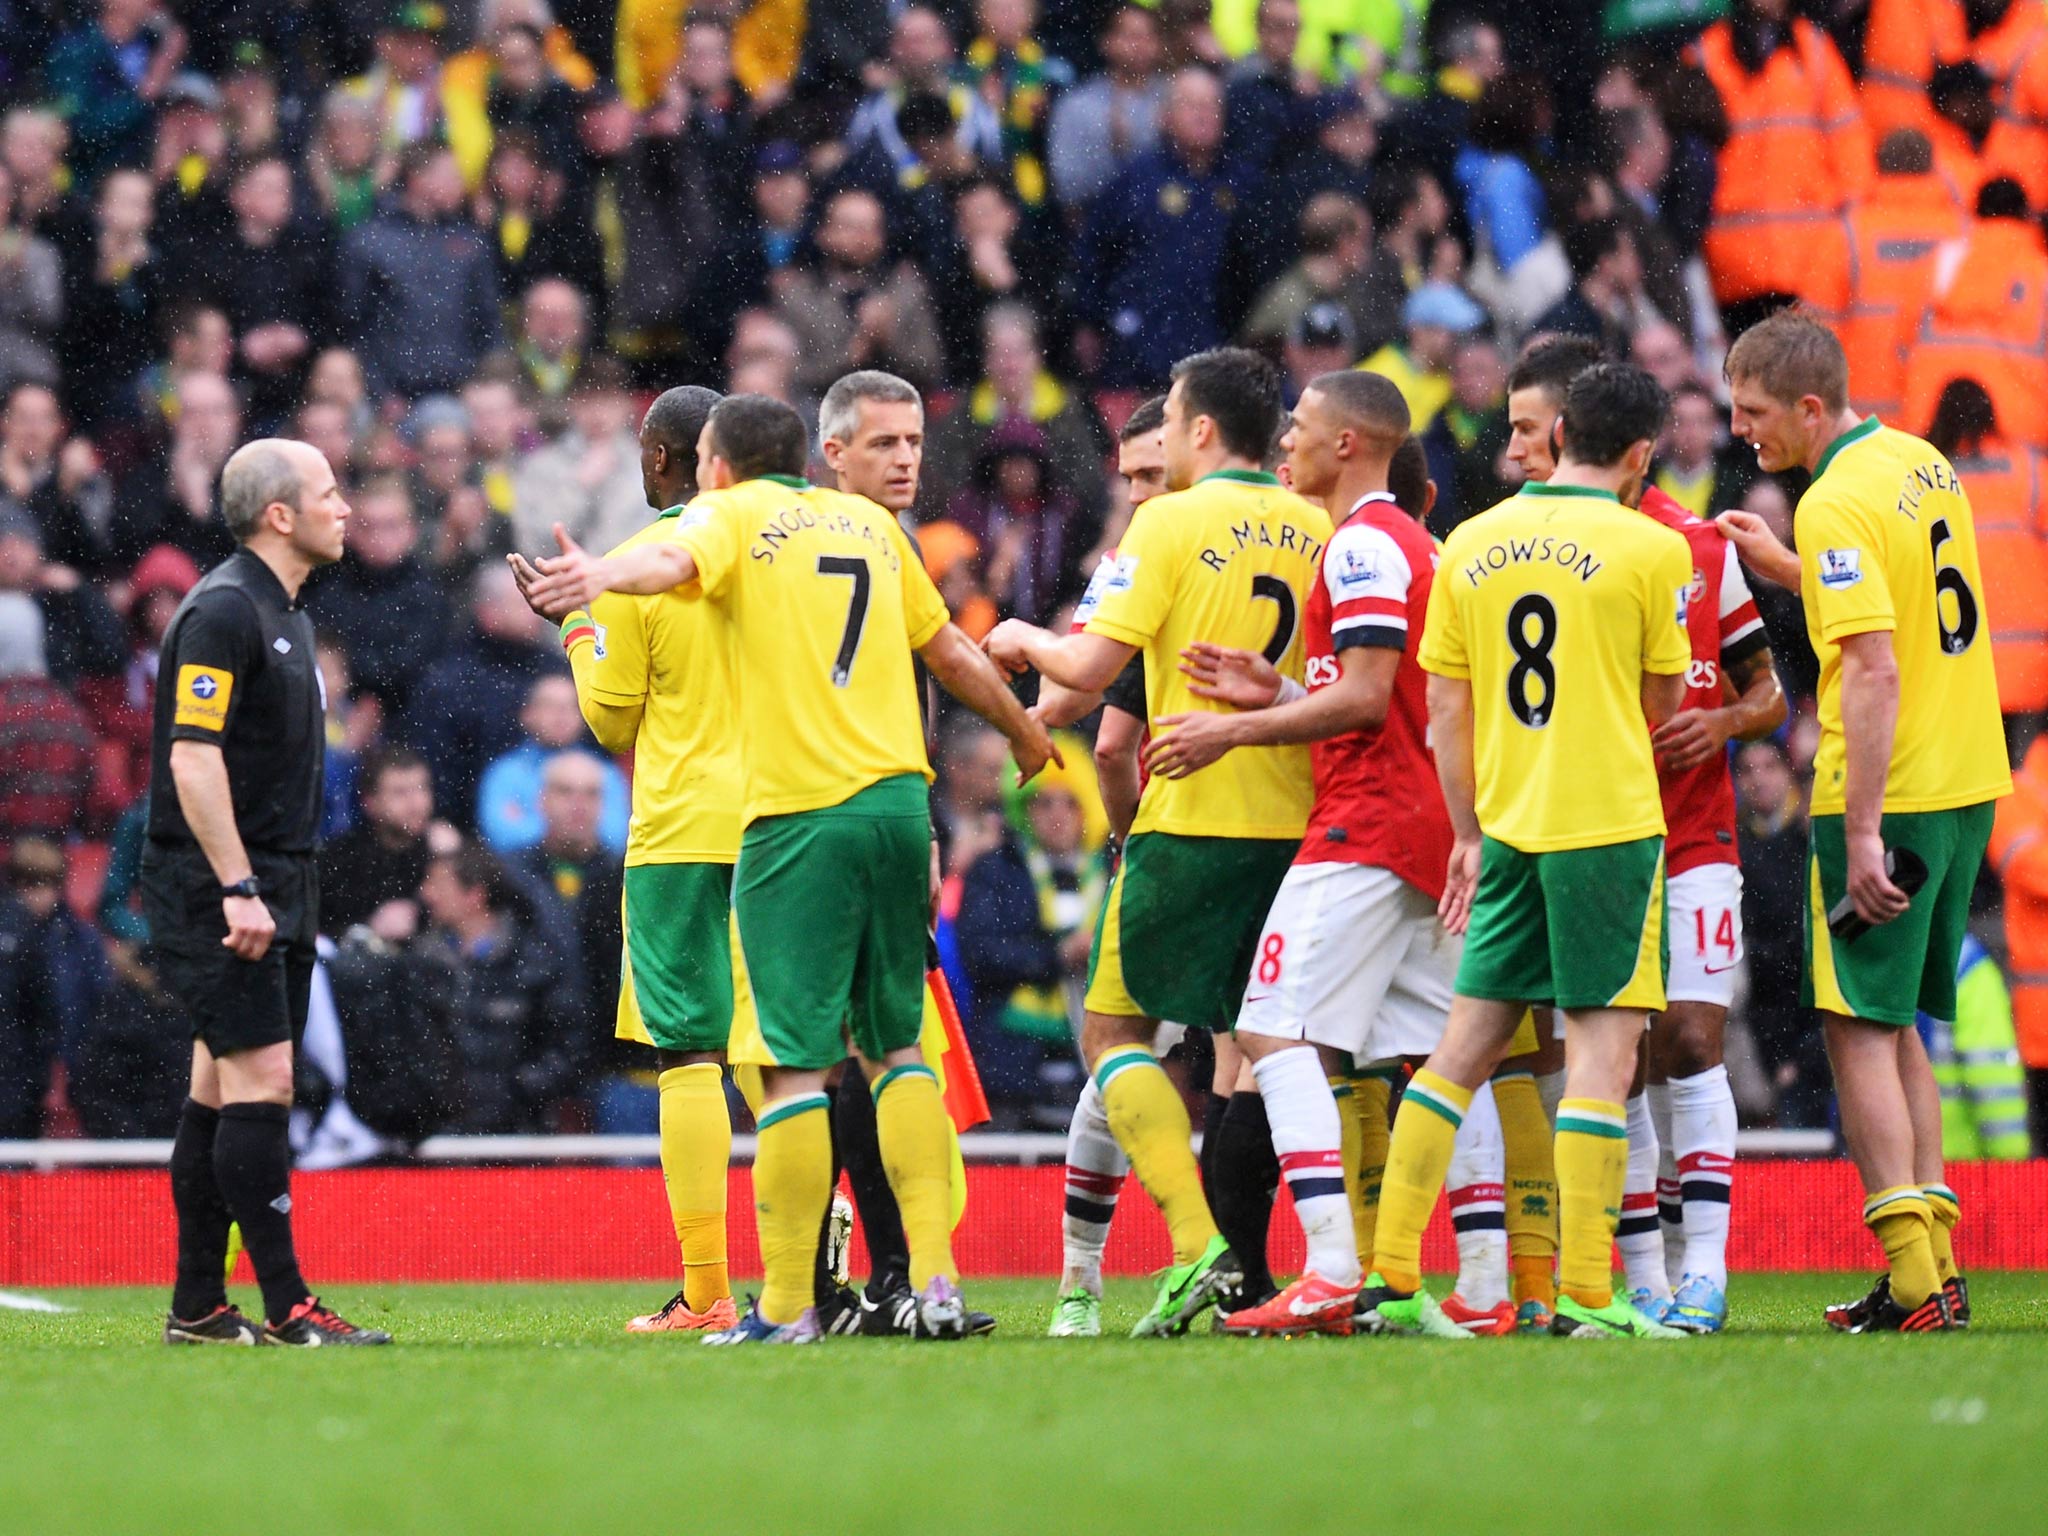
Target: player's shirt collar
792	482
1545	488
1241	476
1855	434
674	511
1367	500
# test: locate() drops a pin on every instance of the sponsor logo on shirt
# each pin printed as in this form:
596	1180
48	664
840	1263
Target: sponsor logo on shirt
203	694
1121	574
1840	568
602	632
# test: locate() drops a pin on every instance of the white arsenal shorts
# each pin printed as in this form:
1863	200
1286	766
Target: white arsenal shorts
1352	957
1705	925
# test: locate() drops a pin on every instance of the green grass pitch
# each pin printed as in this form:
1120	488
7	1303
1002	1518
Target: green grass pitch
512	1409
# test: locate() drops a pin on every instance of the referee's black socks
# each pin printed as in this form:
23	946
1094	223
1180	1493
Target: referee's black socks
859	1142
202	1216
1245	1179
252	1162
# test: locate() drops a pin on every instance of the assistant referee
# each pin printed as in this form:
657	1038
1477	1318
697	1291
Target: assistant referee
231	891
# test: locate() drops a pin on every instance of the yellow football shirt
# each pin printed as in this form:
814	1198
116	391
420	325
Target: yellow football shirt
1887	542
1553	605
673	659
1232	559
826	600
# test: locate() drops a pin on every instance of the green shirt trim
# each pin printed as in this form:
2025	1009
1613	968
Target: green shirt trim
794	482
1543	488
674	511
1241	476
1864	428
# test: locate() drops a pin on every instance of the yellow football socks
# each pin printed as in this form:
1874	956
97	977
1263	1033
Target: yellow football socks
1150	1123
1943	1207
910	1121
1901	1219
696	1147
792	1186
1531	1179
1418	1157
1592	1165
1364	1124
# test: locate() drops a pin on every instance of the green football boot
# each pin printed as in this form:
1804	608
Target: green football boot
1187	1290
1076	1315
1382	1309
1619	1319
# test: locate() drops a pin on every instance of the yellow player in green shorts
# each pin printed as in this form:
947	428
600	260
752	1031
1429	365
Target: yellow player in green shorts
825	602
653	675
1229	556
1912	755
1556	641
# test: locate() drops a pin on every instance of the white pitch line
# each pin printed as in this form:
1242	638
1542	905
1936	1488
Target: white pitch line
16	1301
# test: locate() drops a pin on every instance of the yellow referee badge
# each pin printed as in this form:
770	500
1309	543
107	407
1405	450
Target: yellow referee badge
203	694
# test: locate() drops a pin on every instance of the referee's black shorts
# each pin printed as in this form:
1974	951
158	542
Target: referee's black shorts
234	1004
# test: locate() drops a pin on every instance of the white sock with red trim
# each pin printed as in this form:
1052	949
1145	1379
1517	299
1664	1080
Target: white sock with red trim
1641	1244
1309	1143
1670	1210
1476	1190
1096	1166
1703	1133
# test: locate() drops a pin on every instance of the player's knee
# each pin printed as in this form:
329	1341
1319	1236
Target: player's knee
1692	1044
667	1060
261	1076
1102	1032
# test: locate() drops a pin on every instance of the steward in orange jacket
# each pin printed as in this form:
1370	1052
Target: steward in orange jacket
2008	486
1989	319
1797	153
2018	146
1876	295
1902	43
2019	852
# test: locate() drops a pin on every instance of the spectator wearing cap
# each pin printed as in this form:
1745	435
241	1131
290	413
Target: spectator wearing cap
403	86
588	479
31	295
554	333
174	497
109	74
920	61
1466	442
1432	320
1336	247
122	704
382	600
59	483
50	784
1319	340
853	307
465	710
511	799
81	635
1182	198
1109	119
418	290
113	284
1607	301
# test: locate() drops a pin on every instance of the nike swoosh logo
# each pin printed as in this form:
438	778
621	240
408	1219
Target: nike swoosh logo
1718	970
1259	997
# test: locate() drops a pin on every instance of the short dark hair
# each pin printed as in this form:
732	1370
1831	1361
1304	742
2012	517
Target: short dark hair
1590	242
676	420
758	435
1408	477
379	761
475	868
1238	390
1608	410
1149	415
1510	112
1365	399
2002	198
1552	365
1905	152
1963	417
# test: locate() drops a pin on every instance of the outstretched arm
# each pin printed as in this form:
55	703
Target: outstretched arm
1356	701
1086	663
962	670
576	578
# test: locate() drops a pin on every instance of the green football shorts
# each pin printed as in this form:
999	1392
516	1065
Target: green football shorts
675	987
1907	966
1579	927
832	906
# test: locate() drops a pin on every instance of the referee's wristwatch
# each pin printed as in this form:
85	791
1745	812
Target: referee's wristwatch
249	885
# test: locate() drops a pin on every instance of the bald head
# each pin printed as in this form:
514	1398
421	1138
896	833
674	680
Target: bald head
271	471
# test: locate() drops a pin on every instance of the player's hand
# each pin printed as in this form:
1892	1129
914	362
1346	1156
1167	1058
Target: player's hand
1877	900
250	926
1241	679
1182	744
1034	751
529	579
1461	879
573	579
1689	738
1008	646
1760	548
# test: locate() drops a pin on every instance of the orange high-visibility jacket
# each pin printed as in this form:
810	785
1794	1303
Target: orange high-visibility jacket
2007	483
1960	165
1877	294
1798	151
1988	322
1902	42
2018	146
2019	853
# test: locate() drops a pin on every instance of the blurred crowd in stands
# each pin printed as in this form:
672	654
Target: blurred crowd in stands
457	247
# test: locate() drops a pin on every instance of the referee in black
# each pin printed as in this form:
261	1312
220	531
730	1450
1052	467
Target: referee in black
231	891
